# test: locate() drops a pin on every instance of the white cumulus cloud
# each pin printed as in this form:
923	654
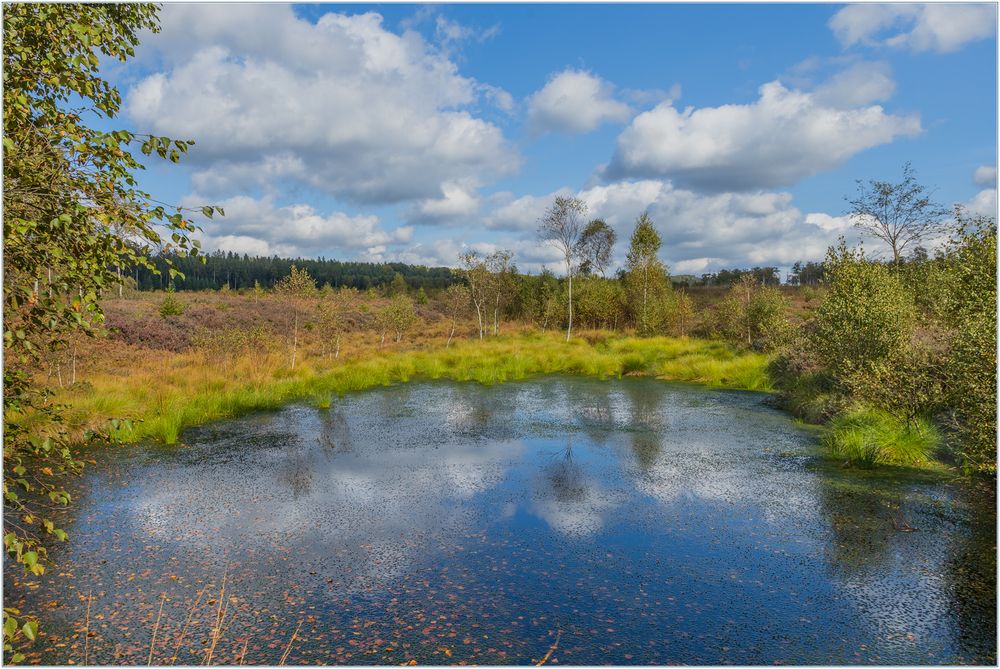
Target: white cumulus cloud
260	227
941	27
984	203
860	84
574	101
458	202
777	140
986	175
343	106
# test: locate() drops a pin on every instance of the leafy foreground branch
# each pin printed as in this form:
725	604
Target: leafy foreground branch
73	216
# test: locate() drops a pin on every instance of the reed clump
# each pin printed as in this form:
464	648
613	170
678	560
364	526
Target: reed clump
866	437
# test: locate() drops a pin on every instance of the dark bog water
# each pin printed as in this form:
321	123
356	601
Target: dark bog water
636	521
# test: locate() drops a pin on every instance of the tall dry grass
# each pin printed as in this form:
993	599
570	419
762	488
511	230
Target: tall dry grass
160	393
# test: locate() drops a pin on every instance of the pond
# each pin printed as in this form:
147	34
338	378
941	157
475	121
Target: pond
609	522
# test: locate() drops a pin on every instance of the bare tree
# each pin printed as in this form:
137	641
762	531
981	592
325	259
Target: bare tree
331	312
562	226
456	303
899	214
477	275
596	244
296	288
501	282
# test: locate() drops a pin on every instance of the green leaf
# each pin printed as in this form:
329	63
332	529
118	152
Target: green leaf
30	629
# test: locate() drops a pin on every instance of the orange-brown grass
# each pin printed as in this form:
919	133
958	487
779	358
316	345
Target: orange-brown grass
161	392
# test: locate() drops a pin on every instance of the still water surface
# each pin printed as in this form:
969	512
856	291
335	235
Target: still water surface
636	521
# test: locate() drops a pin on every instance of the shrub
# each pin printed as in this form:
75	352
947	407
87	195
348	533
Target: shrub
683	314
804	388
932	283
809	293
972	363
225	345
166	334
866	318
598	302
753	315
910	383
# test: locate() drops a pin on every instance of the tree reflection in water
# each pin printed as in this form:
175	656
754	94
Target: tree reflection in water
459	509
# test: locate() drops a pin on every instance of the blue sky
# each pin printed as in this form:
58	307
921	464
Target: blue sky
413	132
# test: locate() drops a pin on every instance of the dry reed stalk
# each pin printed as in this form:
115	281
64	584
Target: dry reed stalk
156	627
552	649
231	620
86	632
216	632
243	655
187	622
288	649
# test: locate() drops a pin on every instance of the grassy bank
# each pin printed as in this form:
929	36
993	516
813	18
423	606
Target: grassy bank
160	393
167	393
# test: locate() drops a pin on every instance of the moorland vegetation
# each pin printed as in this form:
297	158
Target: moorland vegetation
894	351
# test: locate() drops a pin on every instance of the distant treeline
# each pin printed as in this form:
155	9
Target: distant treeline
802	274
241	271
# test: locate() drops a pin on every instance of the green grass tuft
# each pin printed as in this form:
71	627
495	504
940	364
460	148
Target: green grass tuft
867	437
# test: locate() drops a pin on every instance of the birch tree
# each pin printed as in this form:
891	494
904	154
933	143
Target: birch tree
476	274
456	303
73	215
297	287
562	225
500	283
899	214
646	277
597	242
331	311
